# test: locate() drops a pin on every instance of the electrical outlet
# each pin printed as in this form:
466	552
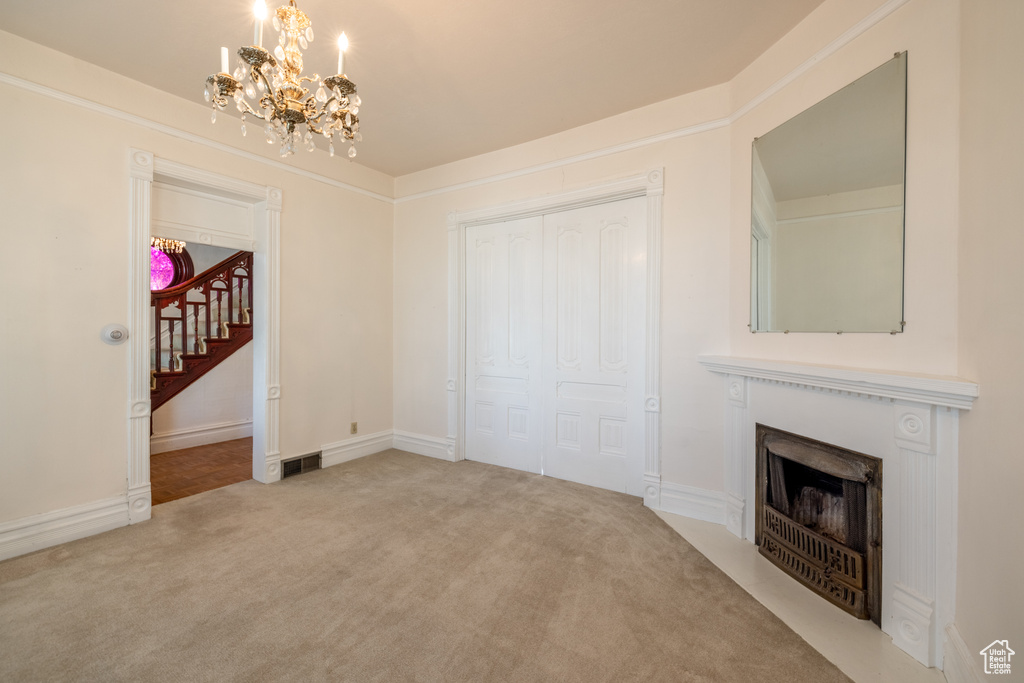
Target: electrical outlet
355	427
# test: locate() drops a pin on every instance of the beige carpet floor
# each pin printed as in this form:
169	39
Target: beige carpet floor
394	567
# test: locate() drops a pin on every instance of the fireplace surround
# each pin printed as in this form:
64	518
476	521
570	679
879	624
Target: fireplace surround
910	422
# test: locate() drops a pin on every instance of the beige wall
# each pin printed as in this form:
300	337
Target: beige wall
990	596
64	271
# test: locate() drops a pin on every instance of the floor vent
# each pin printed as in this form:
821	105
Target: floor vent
303	463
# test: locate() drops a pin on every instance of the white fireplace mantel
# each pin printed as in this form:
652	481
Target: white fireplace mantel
910	421
949	392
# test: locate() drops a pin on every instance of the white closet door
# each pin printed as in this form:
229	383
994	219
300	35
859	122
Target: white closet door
503	343
594	334
555	333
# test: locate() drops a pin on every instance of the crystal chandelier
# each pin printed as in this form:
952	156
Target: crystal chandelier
166	245
269	87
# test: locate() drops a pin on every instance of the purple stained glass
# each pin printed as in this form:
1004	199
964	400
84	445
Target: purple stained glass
161	269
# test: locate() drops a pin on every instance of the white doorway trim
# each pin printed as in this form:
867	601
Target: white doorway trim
649	185
266	202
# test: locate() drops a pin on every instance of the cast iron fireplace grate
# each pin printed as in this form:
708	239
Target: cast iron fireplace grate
819	518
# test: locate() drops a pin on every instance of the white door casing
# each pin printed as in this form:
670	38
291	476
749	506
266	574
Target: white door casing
648	186
266	226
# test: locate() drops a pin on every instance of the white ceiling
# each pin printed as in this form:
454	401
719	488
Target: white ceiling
441	80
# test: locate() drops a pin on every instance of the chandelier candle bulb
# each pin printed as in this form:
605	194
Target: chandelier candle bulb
224	60
342	46
259	9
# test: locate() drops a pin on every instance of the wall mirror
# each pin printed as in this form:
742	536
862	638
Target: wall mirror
827	212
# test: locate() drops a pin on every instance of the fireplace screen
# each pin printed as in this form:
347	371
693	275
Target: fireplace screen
819	517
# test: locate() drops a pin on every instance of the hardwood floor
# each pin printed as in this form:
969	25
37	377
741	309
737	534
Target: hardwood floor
177	474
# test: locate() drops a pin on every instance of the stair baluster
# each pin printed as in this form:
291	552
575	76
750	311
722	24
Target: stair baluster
189	305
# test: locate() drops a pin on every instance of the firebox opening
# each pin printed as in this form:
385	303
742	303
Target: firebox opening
818	512
831	506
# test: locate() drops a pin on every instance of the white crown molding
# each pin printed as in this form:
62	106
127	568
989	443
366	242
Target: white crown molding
841	214
420	444
951	392
693	502
350	449
575	159
74	100
36	532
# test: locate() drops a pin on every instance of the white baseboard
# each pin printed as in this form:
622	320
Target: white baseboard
958	664
419	444
689	501
28	534
199	436
357	447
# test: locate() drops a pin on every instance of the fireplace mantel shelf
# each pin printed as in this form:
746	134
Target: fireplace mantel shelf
951	392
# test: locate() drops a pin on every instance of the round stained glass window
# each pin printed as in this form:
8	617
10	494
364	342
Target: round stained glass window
161	270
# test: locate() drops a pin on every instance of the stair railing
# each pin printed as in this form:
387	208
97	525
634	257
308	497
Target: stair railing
187	315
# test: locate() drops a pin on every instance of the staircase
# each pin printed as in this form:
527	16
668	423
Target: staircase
199	323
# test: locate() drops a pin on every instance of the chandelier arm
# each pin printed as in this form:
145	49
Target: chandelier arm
310	110
252	112
268	94
334	98
273	106
312	79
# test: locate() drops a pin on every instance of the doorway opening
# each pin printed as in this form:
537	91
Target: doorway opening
183	203
201	363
